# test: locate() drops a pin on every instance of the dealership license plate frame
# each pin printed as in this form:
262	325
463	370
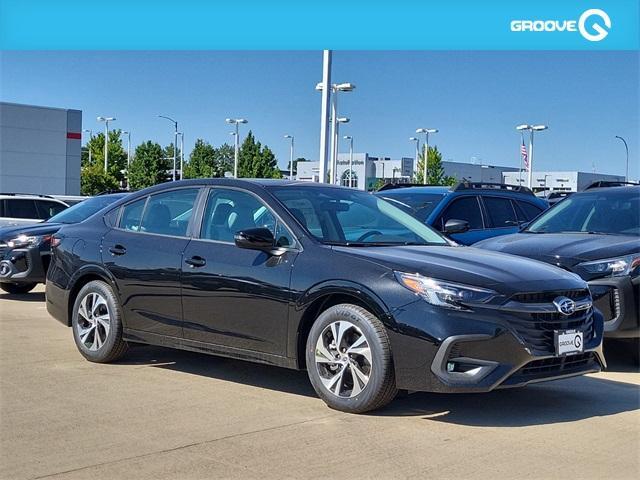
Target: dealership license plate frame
563	350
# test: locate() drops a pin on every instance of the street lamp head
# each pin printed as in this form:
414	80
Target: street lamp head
288	136
105	119
345	87
87	130
432	130
233	134
538	128
524	126
342	120
348	137
233	121
413	139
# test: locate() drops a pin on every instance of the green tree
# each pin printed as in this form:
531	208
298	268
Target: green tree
93	180
168	154
201	159
435	170
117	160
223	160
256	161
149	166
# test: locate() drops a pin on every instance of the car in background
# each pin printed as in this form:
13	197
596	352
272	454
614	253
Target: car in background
310	276
71	200
25	251
468	212
24	208
595	234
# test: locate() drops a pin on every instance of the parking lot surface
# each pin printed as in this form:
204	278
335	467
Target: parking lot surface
162	413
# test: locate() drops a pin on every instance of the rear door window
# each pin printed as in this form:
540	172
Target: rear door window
21	208
528	210
169	213
47	209
501	212
465	208
132	214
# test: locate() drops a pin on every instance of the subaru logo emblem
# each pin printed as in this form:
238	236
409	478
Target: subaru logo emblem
565	305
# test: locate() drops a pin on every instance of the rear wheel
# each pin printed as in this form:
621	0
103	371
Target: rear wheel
349	360
97	323
17	288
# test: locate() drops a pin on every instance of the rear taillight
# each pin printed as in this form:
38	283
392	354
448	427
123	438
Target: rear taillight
55	241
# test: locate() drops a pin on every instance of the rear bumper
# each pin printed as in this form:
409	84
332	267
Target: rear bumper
57	303
617	299
23	265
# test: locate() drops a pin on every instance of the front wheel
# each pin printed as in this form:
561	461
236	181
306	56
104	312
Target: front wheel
17	288
349	360
97	323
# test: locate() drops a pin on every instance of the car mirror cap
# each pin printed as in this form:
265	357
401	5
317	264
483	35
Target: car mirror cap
454	225
259	238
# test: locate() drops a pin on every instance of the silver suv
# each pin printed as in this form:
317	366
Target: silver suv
23	209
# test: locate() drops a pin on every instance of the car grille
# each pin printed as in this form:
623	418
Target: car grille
536	329
553	367
3	250
548	297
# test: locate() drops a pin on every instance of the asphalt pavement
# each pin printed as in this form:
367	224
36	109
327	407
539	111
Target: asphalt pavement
162	413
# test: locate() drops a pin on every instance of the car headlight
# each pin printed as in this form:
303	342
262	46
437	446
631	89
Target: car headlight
26	241
614	267
445	294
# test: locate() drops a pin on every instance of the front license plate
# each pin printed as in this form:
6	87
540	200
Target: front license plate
568	342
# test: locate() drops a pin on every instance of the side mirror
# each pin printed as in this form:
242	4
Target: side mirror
255	239
523	225
456	226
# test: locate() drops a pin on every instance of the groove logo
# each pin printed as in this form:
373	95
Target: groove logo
594	25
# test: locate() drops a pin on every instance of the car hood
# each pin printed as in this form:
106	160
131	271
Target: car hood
564	249
506	274
44	228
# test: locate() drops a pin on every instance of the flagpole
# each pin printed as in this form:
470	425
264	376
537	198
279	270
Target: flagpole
520	171
530	158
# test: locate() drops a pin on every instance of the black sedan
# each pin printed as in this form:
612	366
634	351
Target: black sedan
25	250
595	234
365	297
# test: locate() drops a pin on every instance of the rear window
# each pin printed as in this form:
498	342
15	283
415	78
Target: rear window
47	209
528	210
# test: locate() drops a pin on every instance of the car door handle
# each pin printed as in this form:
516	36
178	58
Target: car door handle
195	262
117	250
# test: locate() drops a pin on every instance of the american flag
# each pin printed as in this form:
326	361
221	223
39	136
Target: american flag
525	156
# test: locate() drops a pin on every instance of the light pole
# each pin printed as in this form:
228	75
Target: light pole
335	88
181	154
324	114
531	129
626	175
175	143
90	132
290	156
128	134
236	122
350	138
426	132
417	142
106	121
334	169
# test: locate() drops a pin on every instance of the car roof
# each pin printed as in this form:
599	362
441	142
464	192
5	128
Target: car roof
437	190
30	196
623	189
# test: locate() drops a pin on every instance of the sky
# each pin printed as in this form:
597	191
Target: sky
475	99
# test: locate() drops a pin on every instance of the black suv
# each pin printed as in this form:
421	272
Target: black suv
595	234
302	275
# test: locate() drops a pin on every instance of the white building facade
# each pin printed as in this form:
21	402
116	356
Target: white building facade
39	149
559	181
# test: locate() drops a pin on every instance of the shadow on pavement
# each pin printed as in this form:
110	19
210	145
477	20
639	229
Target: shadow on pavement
24	297
553	402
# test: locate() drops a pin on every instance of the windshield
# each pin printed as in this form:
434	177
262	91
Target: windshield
609	212
83	210
353	218
420	205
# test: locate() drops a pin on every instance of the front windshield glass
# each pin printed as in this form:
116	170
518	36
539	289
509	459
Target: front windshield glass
420	205
605	211
354	218
83	210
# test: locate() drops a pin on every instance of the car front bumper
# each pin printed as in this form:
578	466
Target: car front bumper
449	352
23	265
618	298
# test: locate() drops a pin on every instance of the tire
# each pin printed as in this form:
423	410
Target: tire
17	288
97	323
333	374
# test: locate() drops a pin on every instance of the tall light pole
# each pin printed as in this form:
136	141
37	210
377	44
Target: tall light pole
324	114
236	122
106	121
626	175
90	132
417	142
181	134
350	138
334	169
335	88
426	132
128	134
290	156
175	143
531	129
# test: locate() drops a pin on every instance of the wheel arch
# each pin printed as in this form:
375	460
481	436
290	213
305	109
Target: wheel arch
86	274
323	296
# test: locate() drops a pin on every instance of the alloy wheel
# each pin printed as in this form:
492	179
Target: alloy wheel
343	359
93	321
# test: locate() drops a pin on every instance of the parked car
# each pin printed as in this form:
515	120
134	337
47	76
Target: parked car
71	200
25	251
469	212
24	208
303	275
595	234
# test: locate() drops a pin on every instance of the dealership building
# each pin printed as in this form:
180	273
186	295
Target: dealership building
368	170
559	181
39	149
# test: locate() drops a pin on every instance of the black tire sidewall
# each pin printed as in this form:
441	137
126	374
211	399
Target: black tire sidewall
17	288
366	399
104	353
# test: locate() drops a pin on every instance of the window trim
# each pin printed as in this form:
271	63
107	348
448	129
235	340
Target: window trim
296	247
